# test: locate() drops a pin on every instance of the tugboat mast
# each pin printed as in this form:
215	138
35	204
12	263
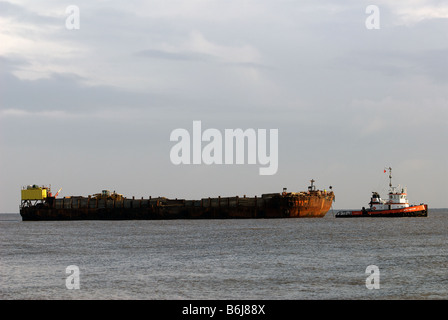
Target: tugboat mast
390	177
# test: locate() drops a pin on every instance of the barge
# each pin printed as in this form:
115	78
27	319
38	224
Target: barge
39	204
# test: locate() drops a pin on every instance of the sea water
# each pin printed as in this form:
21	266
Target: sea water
275	259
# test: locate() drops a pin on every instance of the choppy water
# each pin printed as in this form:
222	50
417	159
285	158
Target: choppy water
226	259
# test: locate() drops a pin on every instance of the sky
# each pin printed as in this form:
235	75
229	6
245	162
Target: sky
92	108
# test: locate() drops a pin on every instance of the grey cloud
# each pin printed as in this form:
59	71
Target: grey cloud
66	91
196	57
185	56
21	14
433	63
430	63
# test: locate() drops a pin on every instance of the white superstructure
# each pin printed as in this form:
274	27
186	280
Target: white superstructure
397	198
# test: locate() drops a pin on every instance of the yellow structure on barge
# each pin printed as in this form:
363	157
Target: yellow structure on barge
34	192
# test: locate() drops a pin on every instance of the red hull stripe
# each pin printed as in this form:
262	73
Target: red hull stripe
408	209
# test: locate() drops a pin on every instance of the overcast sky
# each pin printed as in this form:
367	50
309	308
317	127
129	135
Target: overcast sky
93	108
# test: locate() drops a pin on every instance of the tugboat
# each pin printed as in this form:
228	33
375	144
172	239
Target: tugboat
396	206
